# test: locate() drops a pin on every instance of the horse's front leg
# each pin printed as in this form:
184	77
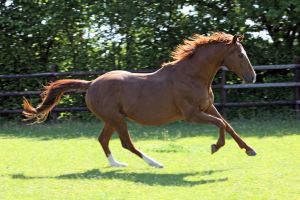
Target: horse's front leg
197	116
249	150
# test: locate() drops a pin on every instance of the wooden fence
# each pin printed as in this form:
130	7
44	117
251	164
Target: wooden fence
223	87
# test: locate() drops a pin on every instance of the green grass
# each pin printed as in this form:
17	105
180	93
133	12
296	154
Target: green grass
65	161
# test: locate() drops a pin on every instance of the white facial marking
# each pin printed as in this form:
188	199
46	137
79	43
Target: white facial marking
254	80
244	52
246	56
115	163
151	161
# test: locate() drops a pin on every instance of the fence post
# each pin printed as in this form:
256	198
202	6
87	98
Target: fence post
223	93
53	68
296	60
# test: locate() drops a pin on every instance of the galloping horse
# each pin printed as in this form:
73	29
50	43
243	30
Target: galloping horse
179	90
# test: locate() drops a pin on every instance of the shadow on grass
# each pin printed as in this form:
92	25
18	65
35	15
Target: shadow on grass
91	129
144	178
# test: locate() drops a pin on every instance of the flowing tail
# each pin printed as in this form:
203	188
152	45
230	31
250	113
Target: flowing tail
50	98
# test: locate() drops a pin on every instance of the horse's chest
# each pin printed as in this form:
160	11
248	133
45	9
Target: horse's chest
206	101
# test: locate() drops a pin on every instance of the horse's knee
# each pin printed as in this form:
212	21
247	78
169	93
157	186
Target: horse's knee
220	123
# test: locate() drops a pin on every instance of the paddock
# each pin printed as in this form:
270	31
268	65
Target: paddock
64	161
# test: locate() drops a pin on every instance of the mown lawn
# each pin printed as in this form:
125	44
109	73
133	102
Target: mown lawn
65	161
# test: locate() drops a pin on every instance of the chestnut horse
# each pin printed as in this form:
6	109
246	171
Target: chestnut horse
179	90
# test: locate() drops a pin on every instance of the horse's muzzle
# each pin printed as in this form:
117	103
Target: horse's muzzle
250	78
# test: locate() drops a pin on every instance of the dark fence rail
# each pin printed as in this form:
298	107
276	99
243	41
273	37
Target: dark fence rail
295	102
56	74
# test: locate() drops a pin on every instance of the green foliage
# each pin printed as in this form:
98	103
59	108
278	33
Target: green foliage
82	35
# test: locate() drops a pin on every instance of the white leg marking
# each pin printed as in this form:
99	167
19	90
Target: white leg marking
151	161
115	163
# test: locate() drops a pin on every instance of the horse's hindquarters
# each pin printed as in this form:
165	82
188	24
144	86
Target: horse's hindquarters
101	98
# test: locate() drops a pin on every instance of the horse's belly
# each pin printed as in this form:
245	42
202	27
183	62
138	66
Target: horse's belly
152	111
147	119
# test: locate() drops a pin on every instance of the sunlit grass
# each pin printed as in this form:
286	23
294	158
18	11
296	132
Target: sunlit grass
65	161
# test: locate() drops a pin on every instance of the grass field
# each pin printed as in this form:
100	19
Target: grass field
65	161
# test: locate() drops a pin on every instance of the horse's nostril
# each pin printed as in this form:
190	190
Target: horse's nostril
250	79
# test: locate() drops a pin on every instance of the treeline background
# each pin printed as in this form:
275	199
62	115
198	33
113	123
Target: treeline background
82	35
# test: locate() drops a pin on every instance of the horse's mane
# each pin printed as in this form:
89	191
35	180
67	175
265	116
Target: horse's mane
189	46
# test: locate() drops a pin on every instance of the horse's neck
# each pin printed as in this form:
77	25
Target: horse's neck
204	64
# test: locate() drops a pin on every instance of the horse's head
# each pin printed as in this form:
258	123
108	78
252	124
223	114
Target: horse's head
237	61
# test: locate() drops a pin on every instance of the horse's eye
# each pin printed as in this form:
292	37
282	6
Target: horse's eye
241	55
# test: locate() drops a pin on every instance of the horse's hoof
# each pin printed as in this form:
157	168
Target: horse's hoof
214	148
156	165
251	152
152	162
118	164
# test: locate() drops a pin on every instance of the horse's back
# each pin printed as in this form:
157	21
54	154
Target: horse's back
145	98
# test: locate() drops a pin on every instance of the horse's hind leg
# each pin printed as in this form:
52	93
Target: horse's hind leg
104	138
121	127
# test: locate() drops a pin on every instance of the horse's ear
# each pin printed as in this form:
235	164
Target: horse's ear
234	39
241	37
